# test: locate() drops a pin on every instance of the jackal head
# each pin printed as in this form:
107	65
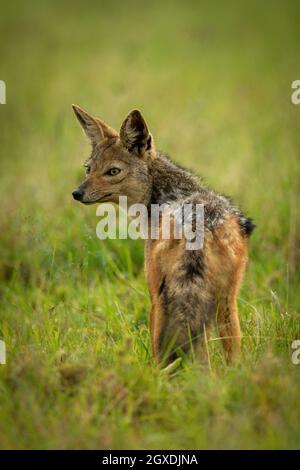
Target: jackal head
119	164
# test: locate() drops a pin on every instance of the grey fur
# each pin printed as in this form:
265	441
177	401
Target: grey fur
172	183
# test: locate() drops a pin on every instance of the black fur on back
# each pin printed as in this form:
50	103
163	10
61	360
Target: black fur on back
247	225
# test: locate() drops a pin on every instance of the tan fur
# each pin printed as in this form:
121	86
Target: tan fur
226	257
161	259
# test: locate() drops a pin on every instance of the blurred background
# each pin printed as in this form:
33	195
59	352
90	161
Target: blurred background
213	80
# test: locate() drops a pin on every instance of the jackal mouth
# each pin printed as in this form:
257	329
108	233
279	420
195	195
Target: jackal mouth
101	199
104	197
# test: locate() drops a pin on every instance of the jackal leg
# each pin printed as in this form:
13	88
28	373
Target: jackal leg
157	323
231	252
188	329
229	326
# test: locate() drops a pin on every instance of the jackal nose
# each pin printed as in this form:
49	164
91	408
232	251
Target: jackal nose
77	194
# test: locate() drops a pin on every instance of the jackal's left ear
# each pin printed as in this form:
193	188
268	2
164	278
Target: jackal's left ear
95	128
135	135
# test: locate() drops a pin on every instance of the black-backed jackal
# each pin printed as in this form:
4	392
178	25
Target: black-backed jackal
189	289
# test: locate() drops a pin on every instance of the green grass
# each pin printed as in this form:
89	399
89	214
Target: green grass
213	80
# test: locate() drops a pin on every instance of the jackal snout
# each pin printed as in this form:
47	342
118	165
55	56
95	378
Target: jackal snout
78	194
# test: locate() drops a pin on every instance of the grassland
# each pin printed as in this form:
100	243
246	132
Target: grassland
213	80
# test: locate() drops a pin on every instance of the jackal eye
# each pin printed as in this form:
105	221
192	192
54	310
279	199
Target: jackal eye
113	172
87	169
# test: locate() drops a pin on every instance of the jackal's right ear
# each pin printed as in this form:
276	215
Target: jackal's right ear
135	135
95	128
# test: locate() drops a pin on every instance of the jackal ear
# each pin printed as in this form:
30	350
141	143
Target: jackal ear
134	133
95	128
